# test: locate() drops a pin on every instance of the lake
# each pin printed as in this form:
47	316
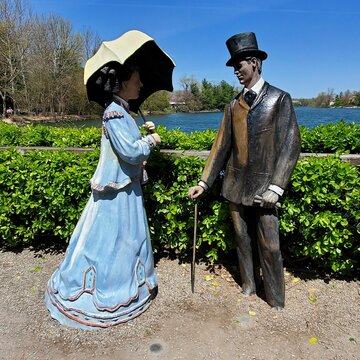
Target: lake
307	116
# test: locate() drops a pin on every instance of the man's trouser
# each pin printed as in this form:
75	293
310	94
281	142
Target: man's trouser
257	235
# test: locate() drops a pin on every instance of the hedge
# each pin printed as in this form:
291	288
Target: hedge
338	137
43	193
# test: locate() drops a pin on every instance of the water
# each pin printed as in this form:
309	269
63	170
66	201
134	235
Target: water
307	116
312	117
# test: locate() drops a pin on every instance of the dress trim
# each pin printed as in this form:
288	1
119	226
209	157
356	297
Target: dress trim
102	322
113	185
140	276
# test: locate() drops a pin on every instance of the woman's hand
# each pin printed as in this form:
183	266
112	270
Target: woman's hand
149	126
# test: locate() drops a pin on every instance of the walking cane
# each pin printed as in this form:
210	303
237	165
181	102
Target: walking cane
194	249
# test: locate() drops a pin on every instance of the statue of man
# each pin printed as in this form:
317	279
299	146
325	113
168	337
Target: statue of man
258	144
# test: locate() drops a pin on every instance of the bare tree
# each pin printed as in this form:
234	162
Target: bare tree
324	99
56	61
190	93
91	43
14	49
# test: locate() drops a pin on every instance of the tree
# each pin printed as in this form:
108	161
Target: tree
56	60
190	93
208	95
157	102
224	94
357	98
216	96
15	32
91	43
195	103
324	98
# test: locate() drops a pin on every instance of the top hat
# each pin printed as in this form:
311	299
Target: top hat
243	45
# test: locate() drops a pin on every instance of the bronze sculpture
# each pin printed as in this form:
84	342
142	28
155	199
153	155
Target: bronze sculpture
258	144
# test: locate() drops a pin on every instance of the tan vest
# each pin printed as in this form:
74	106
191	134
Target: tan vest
240	131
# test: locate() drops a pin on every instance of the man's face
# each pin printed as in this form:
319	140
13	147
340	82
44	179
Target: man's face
245	70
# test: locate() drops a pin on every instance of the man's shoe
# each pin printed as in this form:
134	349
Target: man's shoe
248	292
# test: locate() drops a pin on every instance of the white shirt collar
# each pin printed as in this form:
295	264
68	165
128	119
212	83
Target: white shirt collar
257	87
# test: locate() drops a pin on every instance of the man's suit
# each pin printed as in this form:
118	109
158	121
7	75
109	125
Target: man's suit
258	146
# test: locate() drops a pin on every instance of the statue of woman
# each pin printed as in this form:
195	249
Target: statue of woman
107	276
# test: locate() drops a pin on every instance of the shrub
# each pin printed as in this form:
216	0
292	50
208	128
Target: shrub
332	138
321	213
42	135
171	212
338	137
42	195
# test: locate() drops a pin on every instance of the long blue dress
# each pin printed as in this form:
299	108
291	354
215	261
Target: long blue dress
107	276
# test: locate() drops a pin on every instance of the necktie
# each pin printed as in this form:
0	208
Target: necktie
249	97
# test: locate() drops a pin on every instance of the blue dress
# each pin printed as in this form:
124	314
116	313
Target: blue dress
107	276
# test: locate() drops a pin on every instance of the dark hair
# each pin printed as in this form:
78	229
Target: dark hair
111	76
259	62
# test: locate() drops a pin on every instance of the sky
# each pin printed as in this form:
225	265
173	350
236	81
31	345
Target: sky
313	46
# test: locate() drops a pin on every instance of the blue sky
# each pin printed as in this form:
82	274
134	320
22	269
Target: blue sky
313	45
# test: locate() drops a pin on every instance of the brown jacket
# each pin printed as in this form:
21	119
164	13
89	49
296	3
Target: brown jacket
257	146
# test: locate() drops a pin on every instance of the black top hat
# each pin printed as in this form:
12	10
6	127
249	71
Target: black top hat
243	45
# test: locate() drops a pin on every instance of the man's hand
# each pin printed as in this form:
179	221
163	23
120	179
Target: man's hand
195	192
269	199
156	137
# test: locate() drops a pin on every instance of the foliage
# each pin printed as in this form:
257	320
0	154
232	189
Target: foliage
206	96
14	49
329	98
338	137
321	213
176	139
157	102
41	61
188	99
41	135
43	193
171	213
347	98
341	137
41	67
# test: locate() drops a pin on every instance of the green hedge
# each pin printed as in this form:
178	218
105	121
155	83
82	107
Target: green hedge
320	217
42	135
332	138
43	193
338	137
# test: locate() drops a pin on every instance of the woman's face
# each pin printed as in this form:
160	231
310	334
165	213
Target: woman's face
131	88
